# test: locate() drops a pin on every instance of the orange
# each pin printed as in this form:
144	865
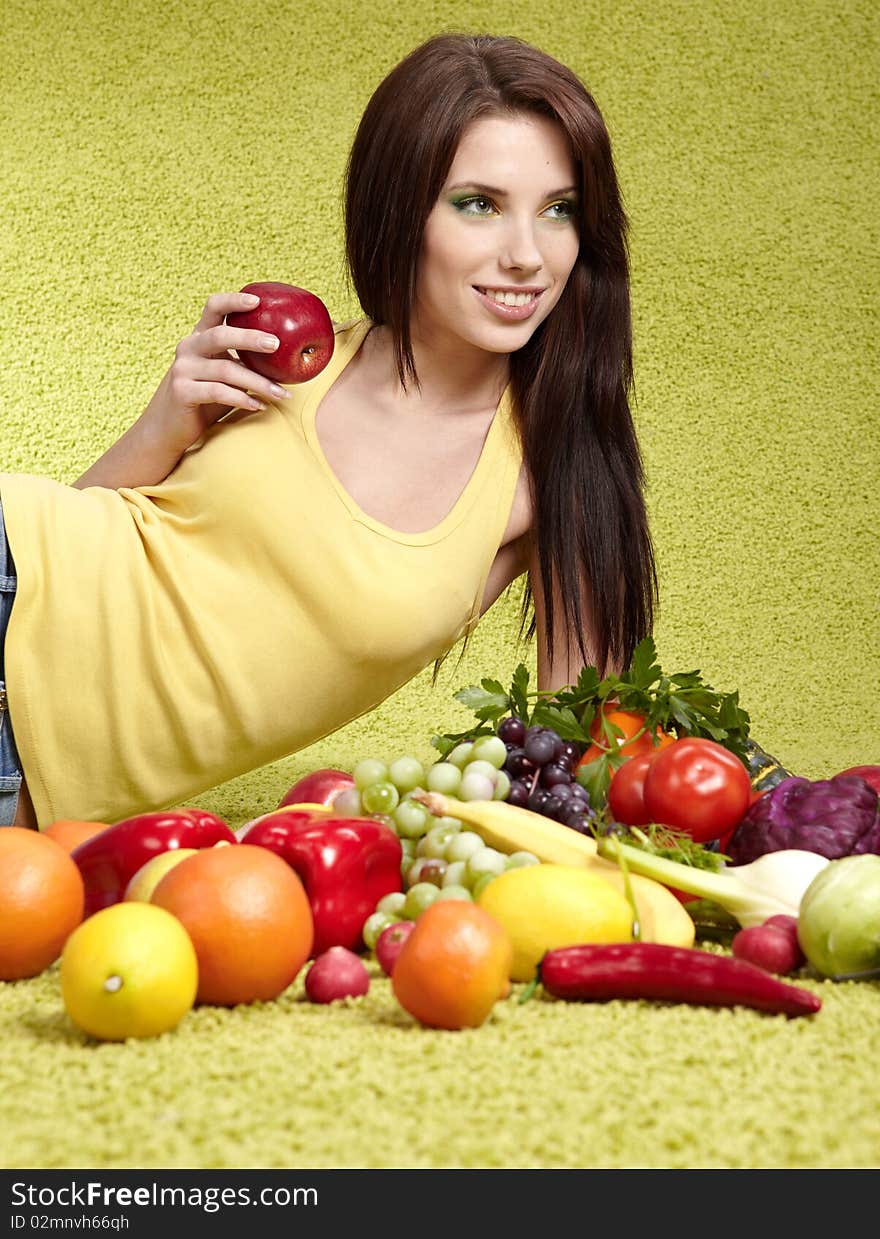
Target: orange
629	722
71	833
249	918
41	901
454	966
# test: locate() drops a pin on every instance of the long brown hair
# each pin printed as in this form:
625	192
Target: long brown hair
572	381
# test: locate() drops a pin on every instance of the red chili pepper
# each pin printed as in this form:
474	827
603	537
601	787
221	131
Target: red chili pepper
668	973
346	865
110	859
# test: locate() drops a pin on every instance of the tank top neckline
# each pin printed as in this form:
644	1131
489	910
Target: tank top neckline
480	476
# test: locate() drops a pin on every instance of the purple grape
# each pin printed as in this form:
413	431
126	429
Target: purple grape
552	773
565	791
581	822
569	755
539	749
517	765
538	799
518	794
512	730
554	808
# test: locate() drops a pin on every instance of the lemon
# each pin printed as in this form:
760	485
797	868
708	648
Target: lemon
129	970
546	906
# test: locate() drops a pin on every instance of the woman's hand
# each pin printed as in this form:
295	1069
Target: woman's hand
203	383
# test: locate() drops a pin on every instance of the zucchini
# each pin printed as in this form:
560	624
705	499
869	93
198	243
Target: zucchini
764	771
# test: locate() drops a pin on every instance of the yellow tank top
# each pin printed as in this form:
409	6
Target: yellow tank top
167	638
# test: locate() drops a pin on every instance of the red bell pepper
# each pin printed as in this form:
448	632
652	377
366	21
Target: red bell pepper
346	865
110	859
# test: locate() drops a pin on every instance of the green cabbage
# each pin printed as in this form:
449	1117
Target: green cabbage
839	918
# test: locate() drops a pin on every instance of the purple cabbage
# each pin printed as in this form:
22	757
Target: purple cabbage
834	817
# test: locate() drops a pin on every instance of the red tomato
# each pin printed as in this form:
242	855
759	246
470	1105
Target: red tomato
626	794
629	722
697	786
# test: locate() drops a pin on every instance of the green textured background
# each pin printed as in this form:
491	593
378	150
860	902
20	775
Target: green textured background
153	155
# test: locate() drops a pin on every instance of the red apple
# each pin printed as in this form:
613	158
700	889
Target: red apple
389	943
300	321
336	973
871	775
318	787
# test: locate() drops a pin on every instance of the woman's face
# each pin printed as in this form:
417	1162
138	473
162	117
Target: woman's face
506	219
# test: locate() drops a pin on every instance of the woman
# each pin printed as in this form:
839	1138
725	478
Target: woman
213	595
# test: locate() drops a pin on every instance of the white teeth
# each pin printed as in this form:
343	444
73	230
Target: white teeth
508	298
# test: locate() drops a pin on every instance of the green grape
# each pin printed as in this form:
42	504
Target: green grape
347	803
450	823
460	755
486	860
392	903
462	846
418	898
433	871
502	785
411	819
454	891
443	777
380	797
368	771
516	860
481	767
434	842
476	786
408	848
455	874
491	749
406	773
431	866
374	925
480	885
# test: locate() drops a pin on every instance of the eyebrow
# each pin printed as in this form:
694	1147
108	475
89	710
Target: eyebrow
501	193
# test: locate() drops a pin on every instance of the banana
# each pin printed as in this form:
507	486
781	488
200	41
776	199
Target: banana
508	828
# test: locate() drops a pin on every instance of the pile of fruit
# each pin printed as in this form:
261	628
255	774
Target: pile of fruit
580	841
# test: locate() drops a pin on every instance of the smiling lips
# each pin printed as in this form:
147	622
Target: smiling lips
508	304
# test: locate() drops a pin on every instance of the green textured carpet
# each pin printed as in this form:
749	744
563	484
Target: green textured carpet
151	156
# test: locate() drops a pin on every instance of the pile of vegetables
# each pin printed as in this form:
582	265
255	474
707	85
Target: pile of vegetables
784	869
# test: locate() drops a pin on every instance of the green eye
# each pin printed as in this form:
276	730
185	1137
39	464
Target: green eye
464	203
569	208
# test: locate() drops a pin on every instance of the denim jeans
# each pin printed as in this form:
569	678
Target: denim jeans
10	767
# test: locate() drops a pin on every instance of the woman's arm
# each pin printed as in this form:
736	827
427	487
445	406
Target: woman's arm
203	383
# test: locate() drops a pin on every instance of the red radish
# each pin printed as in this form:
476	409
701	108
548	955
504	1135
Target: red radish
770	947
788	925
336	973
389	943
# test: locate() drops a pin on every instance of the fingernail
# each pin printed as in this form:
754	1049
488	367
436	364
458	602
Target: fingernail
271	342
280	392
251	298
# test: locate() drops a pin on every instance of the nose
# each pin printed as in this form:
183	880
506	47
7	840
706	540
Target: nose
520	248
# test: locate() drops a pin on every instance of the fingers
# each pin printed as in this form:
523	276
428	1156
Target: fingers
218	340
227	382
219	305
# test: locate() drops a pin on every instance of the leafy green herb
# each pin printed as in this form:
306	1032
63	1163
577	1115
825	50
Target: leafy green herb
681	704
